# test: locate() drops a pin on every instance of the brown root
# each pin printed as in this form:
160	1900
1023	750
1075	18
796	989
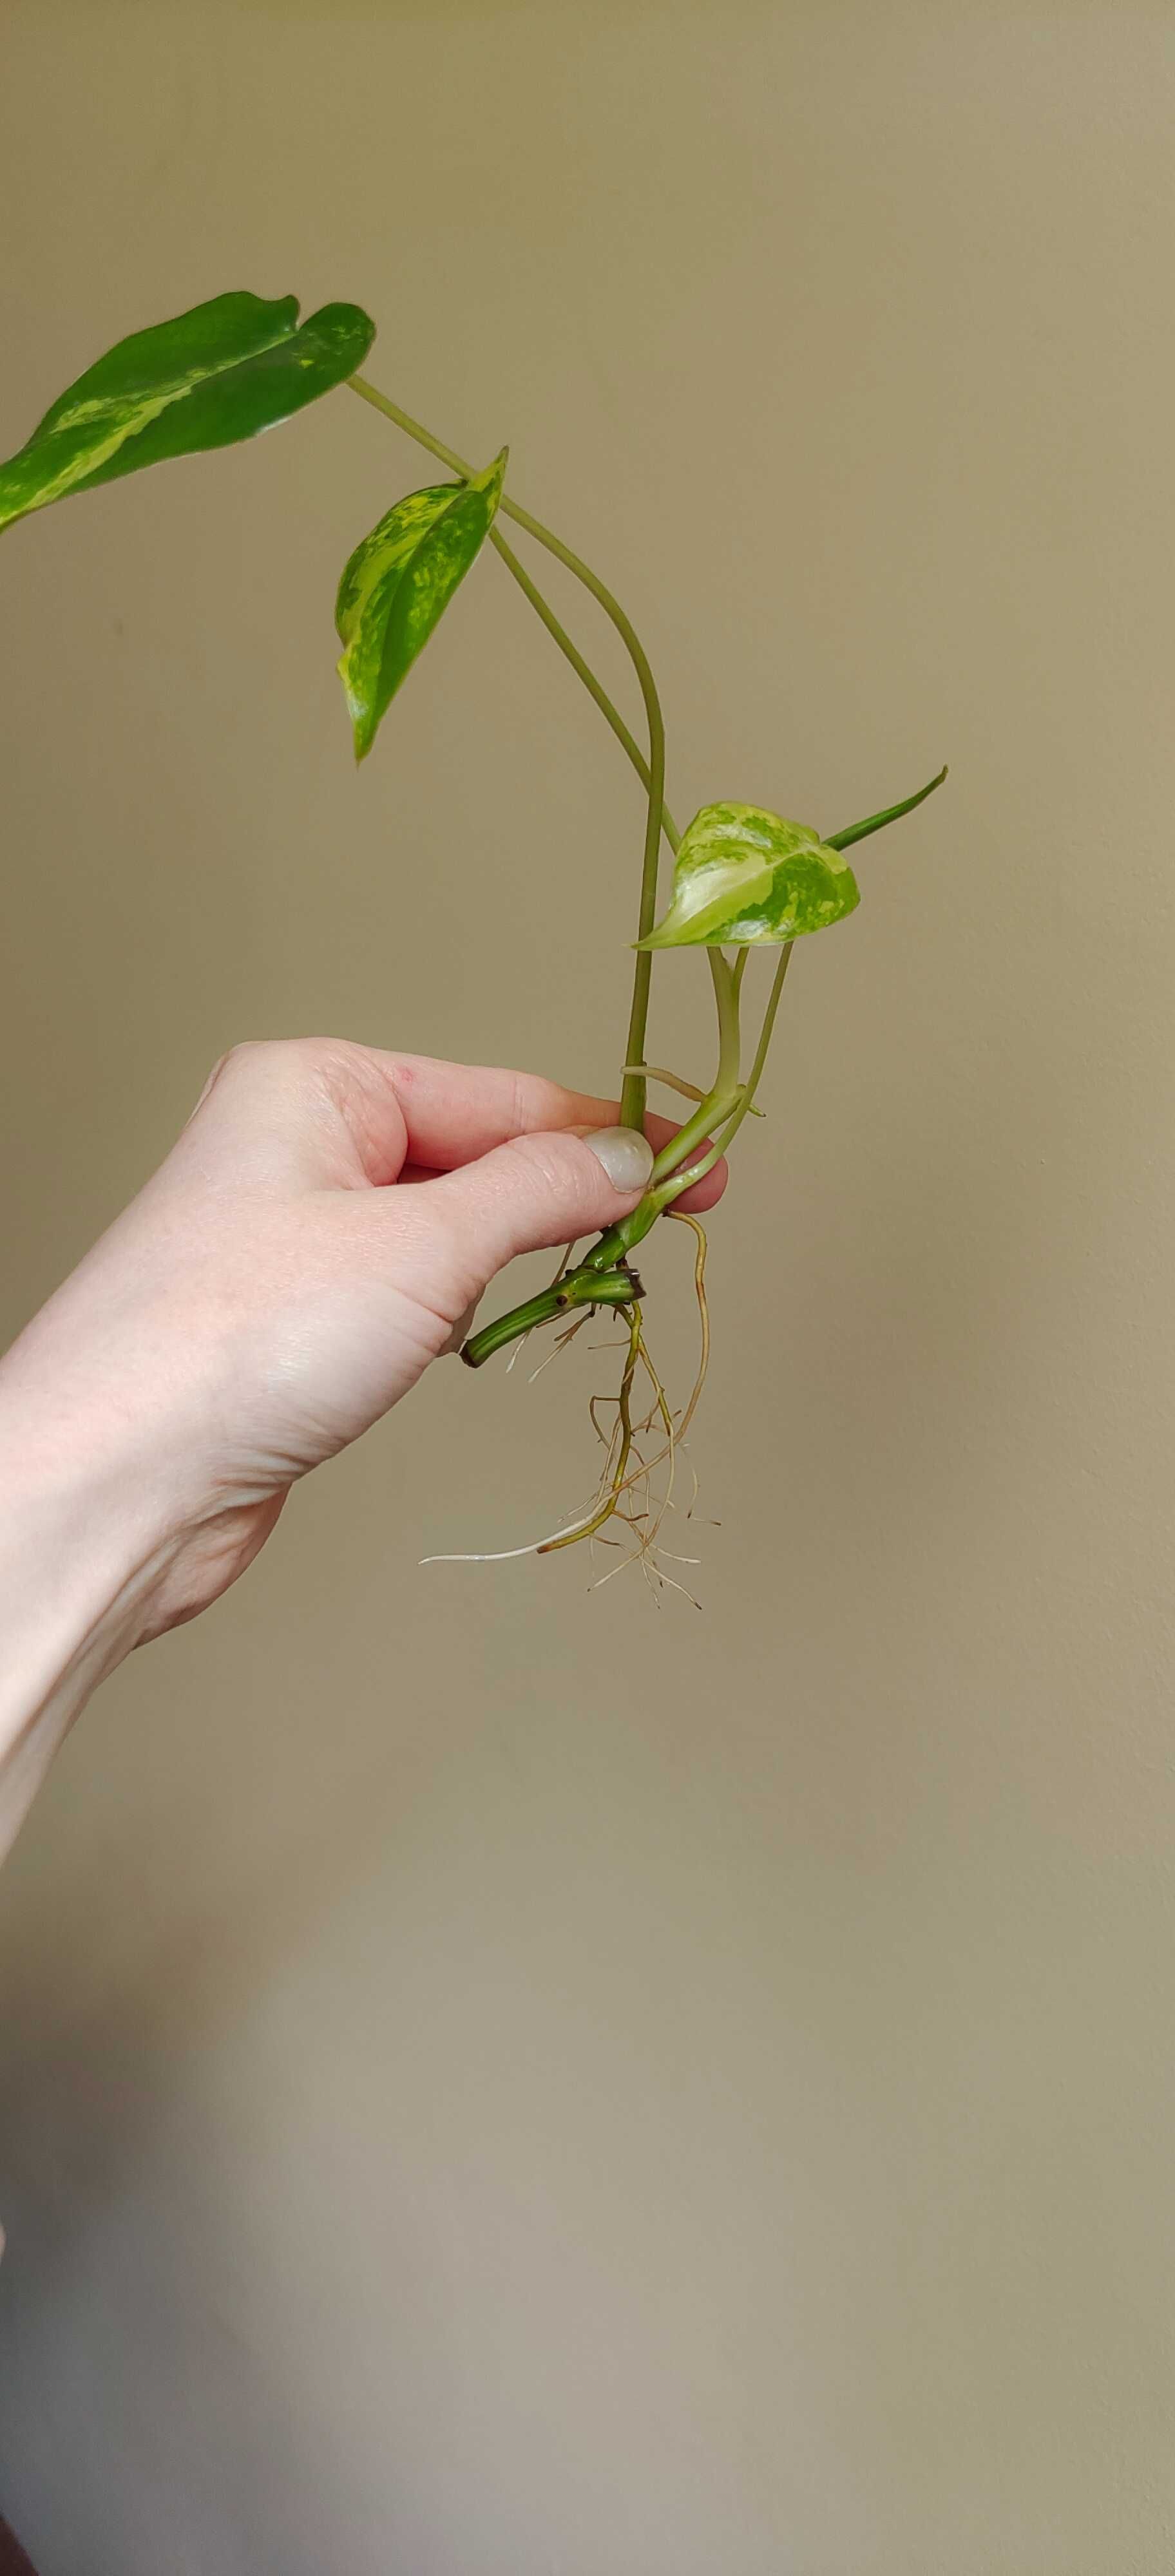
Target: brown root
626	1503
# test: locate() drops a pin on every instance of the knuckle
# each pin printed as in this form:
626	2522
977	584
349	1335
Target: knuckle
249	1056
312	1056
307	1060
207	1087
519	1117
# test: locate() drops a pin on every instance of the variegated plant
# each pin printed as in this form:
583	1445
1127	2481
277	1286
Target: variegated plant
743	877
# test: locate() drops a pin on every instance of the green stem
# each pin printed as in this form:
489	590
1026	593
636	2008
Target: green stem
724	1090
576	1288
595	688
713	1113
774	999
749	1088
632	1097
718	1121
583	670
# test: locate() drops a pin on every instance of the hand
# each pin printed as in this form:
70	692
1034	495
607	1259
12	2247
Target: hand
278	1285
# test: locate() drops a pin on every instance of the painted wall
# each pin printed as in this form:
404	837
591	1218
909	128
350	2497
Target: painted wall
499	2081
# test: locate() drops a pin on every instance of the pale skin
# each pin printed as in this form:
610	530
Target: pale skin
273	1290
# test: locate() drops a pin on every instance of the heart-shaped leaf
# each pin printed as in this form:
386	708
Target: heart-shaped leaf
397	583
222	372
746	878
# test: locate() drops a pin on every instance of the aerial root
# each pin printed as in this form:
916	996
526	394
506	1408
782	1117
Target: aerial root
672	1081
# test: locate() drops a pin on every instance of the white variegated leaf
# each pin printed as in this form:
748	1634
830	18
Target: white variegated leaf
745	877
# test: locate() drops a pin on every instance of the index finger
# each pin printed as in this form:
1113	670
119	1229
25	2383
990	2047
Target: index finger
454	1113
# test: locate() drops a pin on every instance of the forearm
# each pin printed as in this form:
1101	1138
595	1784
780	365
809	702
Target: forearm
81	1548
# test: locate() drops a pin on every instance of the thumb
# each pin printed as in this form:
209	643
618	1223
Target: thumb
537	1191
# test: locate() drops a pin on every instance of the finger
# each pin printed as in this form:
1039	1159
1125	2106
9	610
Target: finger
525	1196
330	1113
704	1194
455	1112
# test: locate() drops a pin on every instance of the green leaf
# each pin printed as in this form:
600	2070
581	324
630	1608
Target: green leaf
222	372
397	583
746	878
877	822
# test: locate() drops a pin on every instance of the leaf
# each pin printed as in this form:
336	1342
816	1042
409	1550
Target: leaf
877	822
220	373
396	584
746	878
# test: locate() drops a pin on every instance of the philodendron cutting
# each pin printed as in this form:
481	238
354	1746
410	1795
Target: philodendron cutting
743	877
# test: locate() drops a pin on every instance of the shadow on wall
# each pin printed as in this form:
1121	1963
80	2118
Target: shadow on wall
84	2118
13	2561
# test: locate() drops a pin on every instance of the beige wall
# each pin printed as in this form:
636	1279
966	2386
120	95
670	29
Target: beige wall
499	2082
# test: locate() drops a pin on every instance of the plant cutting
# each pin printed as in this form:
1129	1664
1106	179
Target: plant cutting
743	877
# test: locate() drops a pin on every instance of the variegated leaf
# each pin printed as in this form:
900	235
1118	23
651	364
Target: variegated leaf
744	878
212	376
397	584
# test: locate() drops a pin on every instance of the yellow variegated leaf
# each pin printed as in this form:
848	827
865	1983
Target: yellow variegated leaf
397	584
744	877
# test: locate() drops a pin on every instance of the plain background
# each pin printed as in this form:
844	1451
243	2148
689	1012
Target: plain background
501	2082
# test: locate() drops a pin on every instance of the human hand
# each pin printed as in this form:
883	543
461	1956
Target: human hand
280	1283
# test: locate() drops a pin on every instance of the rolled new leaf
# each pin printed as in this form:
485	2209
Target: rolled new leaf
746	878
220	373
890	814
397	583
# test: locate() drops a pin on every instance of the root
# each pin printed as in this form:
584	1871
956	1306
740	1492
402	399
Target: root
625	1495
564	1263
560	1344
680	1218
672	1081
605	1508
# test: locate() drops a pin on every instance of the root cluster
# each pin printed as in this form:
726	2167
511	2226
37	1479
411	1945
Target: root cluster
635	1492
